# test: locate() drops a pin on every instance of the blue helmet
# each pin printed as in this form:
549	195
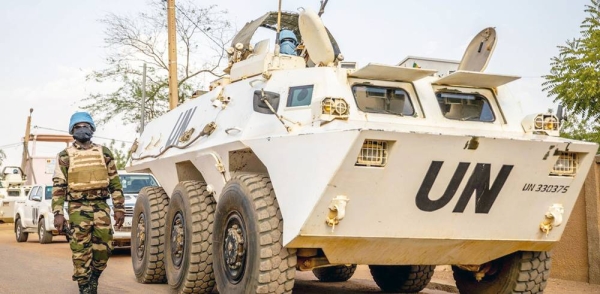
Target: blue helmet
287	42
79	117
287	34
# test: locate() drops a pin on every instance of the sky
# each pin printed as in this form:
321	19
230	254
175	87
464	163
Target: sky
48	47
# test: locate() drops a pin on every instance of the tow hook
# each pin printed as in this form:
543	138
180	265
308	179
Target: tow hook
337	211
552	218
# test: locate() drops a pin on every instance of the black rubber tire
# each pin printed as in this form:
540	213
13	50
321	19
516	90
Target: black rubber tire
402	278
196	206
44	236
337	273
519	272
19	234
148	235
264	265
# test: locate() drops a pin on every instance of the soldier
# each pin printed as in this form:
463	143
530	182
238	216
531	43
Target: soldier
85	176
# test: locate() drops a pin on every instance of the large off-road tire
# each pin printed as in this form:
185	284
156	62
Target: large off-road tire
248	253
19	234
148	235
337	273
44	236
402	278
189	251
519	272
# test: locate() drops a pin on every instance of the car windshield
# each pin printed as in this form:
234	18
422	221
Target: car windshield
132	184
48	193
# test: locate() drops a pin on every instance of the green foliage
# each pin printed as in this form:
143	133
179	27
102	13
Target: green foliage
132	41
119	154
574	77
581	129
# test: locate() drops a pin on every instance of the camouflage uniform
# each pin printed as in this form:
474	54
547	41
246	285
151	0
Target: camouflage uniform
89	214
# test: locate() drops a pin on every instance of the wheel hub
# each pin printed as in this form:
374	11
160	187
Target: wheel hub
234	251
234	247
177	239
141	236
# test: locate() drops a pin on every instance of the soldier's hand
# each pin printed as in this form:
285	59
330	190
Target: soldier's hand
59	221
119	219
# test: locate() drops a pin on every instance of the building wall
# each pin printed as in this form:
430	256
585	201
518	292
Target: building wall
576	256
443	68
43	169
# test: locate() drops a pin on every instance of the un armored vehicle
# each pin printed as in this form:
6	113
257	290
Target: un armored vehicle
298	162
12	189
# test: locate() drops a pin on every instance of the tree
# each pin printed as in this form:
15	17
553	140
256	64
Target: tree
119	155
574	78
202	34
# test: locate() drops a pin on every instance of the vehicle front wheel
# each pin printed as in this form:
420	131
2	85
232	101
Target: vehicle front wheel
148	235
337	273
402	278
19	234
519	272
44	236
249	256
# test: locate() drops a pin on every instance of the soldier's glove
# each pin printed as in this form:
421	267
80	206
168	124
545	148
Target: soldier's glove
119	219
59	221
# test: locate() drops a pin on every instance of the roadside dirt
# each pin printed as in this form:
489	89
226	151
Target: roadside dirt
31	267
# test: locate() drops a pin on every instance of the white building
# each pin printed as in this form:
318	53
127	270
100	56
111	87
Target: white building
443	66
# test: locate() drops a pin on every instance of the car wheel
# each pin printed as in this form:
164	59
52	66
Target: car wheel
44	236
19	234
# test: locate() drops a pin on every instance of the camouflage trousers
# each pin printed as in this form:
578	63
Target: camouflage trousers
91	237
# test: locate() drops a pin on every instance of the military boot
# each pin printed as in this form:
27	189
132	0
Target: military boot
84	289
94	282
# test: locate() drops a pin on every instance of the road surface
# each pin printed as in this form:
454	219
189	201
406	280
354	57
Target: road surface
31	267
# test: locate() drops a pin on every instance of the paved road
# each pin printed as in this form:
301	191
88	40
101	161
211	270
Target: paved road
31	267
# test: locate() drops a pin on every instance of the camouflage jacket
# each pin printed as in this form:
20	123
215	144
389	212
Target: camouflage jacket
60	191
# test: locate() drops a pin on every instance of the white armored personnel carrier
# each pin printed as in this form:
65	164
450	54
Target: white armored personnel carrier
293	162
12	189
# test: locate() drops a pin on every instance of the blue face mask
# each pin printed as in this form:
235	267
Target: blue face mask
287	47
82	135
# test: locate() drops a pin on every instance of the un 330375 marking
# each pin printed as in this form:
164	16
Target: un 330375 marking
531	187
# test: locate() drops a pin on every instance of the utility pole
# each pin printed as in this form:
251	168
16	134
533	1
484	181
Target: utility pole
25	155
143	114
173	95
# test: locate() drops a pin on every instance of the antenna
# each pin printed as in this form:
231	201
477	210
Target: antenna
278	29
322	9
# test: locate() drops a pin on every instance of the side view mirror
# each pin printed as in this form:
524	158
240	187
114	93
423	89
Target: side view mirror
261	98
36	198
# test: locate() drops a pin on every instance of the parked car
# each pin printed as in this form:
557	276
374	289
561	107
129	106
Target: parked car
132	184
34	215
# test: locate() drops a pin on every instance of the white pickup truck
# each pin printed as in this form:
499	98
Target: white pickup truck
34	215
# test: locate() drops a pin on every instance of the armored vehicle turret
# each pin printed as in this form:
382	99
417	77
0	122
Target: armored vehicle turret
297	162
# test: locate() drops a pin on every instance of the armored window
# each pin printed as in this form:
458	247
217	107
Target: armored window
300	96
470	107
378	99
48	193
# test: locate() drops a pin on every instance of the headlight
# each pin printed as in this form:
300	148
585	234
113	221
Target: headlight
373	153
334	108
541	124
567	164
